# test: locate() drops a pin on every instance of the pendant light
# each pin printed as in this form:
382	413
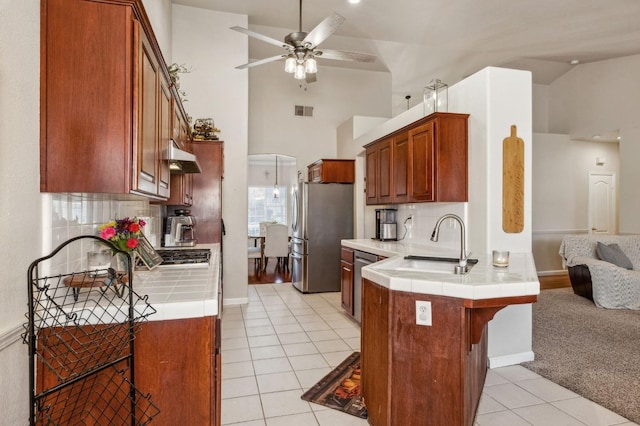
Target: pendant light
276	191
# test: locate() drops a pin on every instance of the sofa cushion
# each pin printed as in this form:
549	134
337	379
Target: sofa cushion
612	253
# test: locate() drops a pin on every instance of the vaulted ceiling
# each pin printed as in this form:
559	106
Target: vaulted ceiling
419	40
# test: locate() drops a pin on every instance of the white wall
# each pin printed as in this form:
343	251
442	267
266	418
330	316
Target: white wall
338	95
601	97
560	191
159	13
203	42
20	224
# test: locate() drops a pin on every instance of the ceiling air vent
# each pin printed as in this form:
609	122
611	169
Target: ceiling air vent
304	111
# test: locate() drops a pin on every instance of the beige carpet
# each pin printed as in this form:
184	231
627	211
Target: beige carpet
591	351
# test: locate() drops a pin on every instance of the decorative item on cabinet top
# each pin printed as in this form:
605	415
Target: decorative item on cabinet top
204	129
435	97
174	71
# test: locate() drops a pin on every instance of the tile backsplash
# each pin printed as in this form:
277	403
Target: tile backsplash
423	219
66	216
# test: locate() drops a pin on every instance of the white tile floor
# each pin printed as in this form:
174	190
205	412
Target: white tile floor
283	342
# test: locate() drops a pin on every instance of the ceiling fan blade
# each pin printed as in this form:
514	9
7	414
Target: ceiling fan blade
311	78
261	62
343	55
323	30
262	37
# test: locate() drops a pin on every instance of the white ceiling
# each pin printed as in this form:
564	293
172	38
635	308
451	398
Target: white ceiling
419	40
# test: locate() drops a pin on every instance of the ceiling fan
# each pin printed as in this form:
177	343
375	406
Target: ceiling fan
302	48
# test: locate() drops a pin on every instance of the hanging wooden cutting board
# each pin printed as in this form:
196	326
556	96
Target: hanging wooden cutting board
513	183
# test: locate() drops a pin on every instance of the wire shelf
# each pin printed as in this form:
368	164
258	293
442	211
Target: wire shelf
80	331
94	400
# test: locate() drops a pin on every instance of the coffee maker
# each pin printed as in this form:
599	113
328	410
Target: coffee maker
386	226
180	230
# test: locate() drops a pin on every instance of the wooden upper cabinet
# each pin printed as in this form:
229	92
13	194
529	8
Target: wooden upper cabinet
332	171
207	190
165	115
423	178
147	117
371	183
401	176
379	169
385	172
105	101
424	161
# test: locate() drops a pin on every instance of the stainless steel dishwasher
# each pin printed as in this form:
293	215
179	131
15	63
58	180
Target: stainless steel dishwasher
361	259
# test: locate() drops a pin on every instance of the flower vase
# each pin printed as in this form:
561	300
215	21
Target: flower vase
120	263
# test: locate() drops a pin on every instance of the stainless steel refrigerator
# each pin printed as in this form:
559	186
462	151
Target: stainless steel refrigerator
322	215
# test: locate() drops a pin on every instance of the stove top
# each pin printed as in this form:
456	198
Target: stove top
185	257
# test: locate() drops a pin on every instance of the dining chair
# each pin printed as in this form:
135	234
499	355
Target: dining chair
255	252
277	244
263	227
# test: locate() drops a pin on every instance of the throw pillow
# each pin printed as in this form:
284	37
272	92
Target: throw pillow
612	253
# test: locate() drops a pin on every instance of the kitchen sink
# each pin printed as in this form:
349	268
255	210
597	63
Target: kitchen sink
430	264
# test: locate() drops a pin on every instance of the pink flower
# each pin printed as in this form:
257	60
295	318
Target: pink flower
107	233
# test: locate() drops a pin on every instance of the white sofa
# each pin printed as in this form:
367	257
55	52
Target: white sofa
607	284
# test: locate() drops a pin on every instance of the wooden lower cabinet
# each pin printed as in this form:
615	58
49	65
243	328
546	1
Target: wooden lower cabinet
346	279
179	363
416	375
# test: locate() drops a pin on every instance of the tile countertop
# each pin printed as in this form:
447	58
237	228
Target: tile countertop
179	293
482	282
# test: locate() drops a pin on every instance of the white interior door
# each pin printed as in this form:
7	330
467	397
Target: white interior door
602	203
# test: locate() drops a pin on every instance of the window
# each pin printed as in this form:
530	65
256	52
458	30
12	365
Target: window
264	207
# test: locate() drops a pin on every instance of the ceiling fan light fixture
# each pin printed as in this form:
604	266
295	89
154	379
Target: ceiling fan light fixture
311	66
300	73
290	65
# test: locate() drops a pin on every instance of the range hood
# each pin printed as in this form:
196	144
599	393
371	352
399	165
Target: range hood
181	161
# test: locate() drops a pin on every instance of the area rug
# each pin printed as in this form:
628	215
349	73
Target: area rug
592	351
340	389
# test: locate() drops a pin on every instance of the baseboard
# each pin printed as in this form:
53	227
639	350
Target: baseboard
235	301
512	359
549	273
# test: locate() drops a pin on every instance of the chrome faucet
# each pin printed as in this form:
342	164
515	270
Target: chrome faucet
462	262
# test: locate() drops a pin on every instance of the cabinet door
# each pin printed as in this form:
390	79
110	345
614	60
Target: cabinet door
207	191
315	173
422	162
385	172
401	169
346	279
165	130
177	127
372	175
85	116
181	187
181	381
147	115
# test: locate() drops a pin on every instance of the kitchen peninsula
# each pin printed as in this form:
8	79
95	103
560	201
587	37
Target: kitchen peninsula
424	333
177	352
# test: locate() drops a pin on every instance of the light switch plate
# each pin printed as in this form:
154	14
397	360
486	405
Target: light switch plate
423	312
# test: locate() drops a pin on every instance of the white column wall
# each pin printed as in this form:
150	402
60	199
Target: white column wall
203	42
497	98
